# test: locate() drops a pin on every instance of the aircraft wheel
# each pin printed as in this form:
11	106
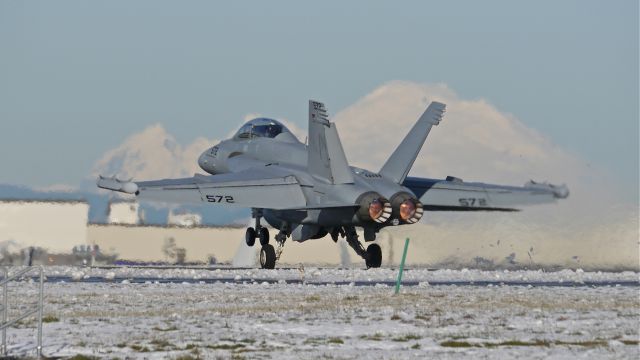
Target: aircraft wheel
263	235
374	256
268	257
250	236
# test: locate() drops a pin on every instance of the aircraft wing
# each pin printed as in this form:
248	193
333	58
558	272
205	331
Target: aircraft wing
252	188
453	194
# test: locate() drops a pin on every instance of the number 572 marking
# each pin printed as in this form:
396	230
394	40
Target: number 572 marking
220	198
472	202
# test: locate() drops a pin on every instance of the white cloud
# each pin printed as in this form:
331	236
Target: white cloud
474	140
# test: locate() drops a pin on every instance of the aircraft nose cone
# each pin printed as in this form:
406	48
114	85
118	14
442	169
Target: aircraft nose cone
203	162
209	161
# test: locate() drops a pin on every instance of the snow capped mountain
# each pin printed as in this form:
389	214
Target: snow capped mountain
152	154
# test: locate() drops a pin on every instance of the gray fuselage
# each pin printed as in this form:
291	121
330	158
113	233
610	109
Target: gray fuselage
284	154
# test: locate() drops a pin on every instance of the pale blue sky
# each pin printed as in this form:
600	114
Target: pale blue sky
77	77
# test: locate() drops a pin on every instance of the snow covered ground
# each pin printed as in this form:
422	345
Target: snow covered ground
252	319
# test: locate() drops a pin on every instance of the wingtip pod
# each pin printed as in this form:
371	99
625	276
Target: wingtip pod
558	191
115	184
561	191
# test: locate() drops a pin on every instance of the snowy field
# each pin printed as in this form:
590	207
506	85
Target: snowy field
247	318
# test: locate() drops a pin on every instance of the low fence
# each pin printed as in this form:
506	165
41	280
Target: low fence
37	309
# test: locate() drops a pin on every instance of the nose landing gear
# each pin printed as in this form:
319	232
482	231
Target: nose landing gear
263	235
267	257
250	236
268	254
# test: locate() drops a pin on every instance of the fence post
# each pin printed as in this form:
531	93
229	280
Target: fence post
5	305
30	312
40	308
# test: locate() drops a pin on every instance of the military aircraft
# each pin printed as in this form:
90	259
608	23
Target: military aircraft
306	191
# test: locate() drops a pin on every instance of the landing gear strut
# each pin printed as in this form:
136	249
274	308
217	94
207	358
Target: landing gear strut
259	232
280	238
372	255
268	254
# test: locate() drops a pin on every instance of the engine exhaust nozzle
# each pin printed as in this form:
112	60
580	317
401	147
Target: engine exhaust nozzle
407	208
374	207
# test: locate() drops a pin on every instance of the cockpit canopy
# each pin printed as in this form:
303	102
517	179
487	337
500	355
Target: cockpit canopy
261	127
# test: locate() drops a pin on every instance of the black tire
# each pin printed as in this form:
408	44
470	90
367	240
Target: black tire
263	235
268	257
250	236
374	256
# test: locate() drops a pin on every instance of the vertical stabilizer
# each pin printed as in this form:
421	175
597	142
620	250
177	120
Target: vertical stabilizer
326	159
400	162
338	161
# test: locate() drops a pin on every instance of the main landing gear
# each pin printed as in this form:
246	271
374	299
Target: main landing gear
268	254
372	255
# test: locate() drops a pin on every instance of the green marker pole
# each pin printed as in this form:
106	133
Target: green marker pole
404	256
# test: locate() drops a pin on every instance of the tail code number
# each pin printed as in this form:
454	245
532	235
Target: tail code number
472	202
220	199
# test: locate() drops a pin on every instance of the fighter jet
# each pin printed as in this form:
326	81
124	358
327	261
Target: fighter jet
308	191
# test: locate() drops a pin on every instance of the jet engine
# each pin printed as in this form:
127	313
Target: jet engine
373	207
406	208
